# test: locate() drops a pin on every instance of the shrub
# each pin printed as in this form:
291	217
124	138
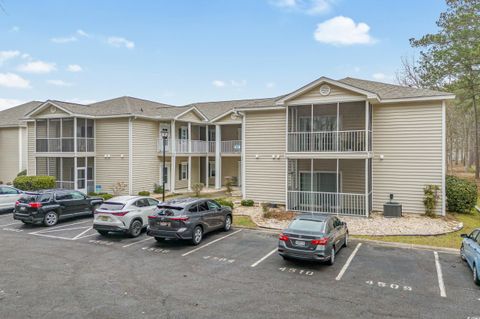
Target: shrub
157	189
144	193
228	185
119	188
224	202
461	194
22	173
247	202
105	196
430	199
34	183
197	188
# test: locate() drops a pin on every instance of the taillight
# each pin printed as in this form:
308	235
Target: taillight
152	217
35	205
17	203
119	213
283	237
321	241
180	218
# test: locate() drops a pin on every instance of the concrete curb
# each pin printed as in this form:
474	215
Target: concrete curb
409	246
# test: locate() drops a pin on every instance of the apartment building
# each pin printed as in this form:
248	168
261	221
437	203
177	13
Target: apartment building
334	146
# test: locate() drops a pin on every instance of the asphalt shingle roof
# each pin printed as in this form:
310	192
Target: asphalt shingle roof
12	116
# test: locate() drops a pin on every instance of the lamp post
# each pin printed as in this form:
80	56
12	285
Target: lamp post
164	135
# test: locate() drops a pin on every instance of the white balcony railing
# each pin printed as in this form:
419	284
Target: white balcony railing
328	141
231	147
323	202
55	144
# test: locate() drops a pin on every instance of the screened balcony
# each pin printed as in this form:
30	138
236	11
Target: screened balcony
332	186
335	127
58	135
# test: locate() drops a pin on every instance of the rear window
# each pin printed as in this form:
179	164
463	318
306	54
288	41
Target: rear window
111	206
167	210
29	198
307	224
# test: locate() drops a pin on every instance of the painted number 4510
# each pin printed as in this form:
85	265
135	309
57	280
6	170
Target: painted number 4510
385	285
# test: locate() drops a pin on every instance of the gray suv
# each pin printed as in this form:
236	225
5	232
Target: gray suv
188	218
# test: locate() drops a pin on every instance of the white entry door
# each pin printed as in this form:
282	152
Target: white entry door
167	174
82	179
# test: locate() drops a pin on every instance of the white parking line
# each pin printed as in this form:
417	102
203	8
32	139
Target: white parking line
441	284
212	242
61	229
83	232
51	236
16	223
60	226
136	242
349	260
86	236
263	258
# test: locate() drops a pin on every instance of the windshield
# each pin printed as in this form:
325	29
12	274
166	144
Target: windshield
111	206
307	225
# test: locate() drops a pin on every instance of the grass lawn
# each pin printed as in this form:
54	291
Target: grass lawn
244	221
451	240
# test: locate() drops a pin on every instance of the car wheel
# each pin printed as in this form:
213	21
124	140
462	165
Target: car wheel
50	219
228	223
345	244
462	253
160	239
103	232
135	228
197	235
332	257
476	279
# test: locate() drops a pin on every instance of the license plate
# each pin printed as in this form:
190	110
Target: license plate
300	243
23	208
166	224
103	218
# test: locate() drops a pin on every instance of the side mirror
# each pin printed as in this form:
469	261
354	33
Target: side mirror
464	236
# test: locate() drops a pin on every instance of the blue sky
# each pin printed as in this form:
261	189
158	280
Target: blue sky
180	52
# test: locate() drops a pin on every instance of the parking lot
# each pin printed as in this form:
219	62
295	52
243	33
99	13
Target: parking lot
70	271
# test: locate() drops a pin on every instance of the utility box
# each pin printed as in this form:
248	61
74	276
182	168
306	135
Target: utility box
392	209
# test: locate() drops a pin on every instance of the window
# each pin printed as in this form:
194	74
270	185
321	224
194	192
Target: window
183	171
152	202
336	222
183	133
63	196
8	191
211	169
77	195
44	198
474	234
193	209
307	225
141	203
320	123
322	182
203	207
330	226
213	205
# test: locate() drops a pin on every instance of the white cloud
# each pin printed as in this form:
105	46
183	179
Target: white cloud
240	83
82	33
219	83
15	29
120	42
7	55
26	56
379	76
343	31
74	68
12	80
312	7
64	40
37	67
7	103
59	83
270	85
82	101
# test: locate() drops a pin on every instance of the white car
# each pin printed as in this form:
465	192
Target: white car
127	214
8	196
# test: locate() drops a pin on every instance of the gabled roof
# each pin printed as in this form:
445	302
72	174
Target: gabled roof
126	105
11	116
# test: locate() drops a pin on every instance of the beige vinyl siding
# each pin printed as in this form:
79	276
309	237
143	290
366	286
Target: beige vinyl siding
145	166
230	168
24	148
190	117
227	119
31	169
314	96
409	136
47	113
111	138
265	136
9	160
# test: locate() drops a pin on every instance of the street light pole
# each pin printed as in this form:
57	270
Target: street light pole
164	138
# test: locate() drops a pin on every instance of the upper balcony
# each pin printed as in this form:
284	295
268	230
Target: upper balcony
182	146
330	128
58	135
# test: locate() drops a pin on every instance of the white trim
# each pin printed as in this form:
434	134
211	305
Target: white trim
243	158
222	115
189	174
425	98
130	155
20	151
267	108
43	106
218	157
286	159
443	159
193	108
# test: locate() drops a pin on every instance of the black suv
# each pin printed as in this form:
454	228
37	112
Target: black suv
50	206
188	218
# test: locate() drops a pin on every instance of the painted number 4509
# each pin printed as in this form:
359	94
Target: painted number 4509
386	285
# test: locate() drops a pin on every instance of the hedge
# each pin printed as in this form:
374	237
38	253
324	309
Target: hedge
247	202
461	194
34	183
224	202
144	193
105	196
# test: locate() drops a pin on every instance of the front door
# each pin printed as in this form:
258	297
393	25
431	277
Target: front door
82	179
166	174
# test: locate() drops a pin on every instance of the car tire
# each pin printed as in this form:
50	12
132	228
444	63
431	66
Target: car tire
462	253
228	223
135	228
197	235
50	219
331	261
476	278
160	239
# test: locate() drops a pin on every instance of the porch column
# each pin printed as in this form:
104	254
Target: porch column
337	137
74	135
366	188
173	162
311	186
367	123
190	173
206	157
218	157
242	163
189	137
338	198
